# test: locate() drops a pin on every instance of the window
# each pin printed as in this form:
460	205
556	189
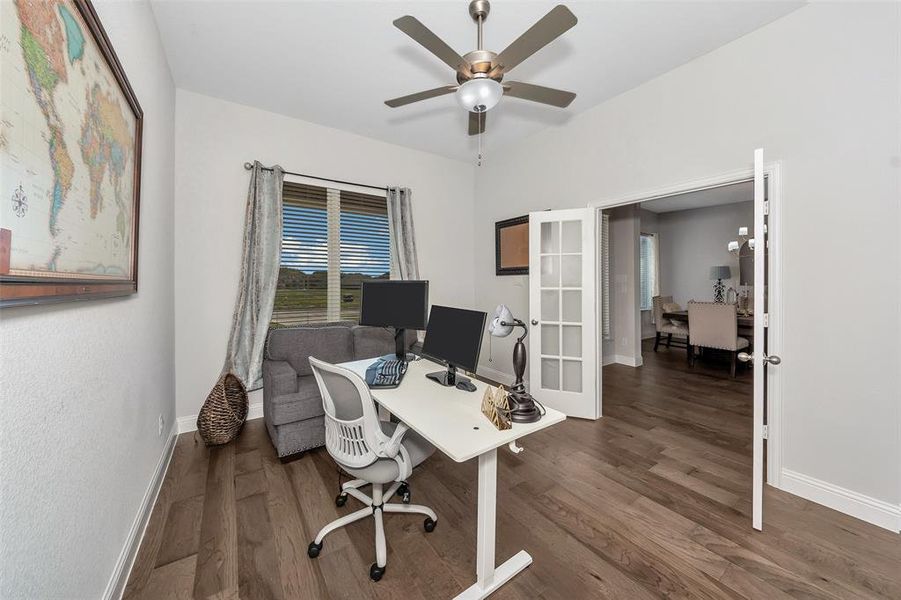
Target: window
648	271
332	241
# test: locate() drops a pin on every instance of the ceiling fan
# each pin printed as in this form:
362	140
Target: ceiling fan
480	73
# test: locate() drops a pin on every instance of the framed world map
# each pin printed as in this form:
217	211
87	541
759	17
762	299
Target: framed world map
70	157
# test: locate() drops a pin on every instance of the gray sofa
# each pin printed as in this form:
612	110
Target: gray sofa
292	406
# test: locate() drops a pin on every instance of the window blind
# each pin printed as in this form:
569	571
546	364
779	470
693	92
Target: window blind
332	241
648	270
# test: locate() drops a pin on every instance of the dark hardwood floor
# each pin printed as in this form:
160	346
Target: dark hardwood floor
651	501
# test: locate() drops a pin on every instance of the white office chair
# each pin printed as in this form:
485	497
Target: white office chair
375	452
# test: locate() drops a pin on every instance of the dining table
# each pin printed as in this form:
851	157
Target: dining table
745	321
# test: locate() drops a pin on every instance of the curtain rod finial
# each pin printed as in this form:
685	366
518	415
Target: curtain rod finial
248	166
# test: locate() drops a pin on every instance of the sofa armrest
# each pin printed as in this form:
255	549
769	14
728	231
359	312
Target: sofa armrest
279	378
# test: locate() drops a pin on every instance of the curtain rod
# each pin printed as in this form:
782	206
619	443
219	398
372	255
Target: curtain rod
249	166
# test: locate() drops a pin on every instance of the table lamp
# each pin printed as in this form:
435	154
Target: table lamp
719	273
523	407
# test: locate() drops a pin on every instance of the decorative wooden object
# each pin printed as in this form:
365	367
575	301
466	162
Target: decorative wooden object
496	407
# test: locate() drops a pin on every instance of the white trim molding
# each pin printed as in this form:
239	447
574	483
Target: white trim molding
878	512
116	585
501	377
189	423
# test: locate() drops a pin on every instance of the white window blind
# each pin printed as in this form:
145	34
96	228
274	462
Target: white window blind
605	276
648	270
332	241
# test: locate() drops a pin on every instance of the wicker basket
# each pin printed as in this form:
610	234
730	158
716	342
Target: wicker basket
223	414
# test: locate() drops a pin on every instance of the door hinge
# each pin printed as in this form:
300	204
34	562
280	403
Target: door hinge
766	207
766	319
766	432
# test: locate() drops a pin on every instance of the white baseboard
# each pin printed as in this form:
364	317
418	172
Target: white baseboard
189	423
865	508
116	585
629	361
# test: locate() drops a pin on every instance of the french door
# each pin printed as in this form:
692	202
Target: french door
563	361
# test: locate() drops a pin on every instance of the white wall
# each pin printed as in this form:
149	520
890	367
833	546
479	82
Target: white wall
692	241
819	90
624	271
213	140
83	383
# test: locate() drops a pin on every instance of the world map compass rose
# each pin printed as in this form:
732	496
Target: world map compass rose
20	202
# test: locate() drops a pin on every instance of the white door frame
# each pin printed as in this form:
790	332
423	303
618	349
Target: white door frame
773	172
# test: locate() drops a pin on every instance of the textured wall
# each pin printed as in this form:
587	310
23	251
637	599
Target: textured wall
84	383
211	187
819	90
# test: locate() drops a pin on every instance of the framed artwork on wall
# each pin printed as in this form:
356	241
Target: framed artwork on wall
70	158
511	246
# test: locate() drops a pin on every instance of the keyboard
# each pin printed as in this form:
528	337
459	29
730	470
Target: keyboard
385	373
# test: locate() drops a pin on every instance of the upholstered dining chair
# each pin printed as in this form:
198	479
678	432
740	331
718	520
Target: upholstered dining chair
714	325
374	452
661	304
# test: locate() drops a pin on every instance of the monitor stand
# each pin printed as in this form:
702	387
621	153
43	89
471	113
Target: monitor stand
400	347
448	377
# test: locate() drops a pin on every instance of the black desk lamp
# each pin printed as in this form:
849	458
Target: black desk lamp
524	408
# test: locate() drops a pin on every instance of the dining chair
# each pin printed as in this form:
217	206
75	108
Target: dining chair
714	325
665	326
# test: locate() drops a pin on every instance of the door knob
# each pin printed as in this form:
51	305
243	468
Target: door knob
534	322
772	359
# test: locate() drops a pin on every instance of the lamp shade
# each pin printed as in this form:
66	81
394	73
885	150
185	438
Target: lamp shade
502	314
720	272
479	95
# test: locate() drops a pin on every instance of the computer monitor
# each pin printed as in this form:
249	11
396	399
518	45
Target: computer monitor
454	337
399	304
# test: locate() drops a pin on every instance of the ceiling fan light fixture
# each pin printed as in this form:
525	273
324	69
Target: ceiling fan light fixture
479	95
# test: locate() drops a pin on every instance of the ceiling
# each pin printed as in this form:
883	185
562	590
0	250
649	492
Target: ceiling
726	194
335	62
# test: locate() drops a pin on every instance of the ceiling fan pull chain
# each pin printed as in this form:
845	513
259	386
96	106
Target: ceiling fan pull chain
479	164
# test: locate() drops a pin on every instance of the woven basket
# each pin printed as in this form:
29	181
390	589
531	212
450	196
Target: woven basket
222	415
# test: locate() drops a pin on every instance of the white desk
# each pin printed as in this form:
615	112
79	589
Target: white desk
453	422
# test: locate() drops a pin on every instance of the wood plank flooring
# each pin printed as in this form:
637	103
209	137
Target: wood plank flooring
651	501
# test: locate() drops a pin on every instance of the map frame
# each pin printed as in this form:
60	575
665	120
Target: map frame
19	290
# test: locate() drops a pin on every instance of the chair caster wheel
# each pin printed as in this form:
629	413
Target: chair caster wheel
341	499
313	549
376	572
405	493
429	524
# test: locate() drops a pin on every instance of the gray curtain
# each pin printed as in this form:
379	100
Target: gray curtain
404	261
259	276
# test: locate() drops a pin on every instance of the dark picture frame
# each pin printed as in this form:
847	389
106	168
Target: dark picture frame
511	246
18	290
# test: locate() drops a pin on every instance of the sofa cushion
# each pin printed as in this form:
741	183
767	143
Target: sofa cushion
372	342
295	345
306	403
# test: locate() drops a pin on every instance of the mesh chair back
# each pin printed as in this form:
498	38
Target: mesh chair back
352	433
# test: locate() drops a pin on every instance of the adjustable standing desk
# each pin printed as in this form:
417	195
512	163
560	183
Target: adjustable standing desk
453	422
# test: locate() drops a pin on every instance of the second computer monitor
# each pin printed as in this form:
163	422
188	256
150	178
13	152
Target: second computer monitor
398	304
454	337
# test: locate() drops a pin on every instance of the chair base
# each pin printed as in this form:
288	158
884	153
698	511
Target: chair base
376	506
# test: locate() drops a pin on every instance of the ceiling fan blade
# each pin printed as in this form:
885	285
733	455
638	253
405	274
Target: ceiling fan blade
431	42
538	93
411	98
547	29
477	123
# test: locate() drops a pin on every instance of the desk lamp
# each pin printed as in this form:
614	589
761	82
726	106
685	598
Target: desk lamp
523	407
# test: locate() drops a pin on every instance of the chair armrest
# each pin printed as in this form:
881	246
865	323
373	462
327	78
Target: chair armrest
279	378
393	446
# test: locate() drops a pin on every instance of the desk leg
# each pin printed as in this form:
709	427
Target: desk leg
489	578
